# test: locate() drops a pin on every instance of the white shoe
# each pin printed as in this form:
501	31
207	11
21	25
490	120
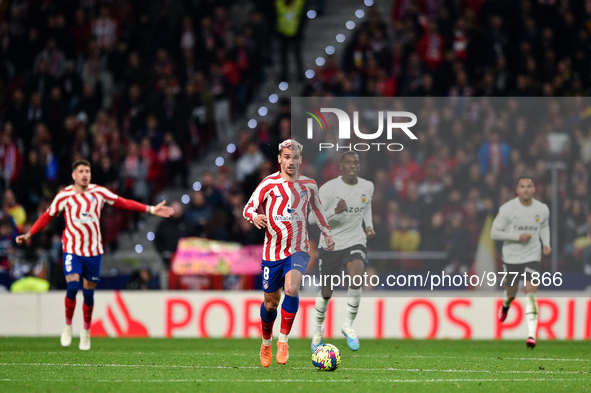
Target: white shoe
317	340
66	338
84	340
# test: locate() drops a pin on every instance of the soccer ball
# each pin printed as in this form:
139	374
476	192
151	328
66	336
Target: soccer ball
326	357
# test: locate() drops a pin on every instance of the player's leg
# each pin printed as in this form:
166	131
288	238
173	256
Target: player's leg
511	288
91	267
326	266
295	267
72	270
272	284
355	270
73	282
268	316
531	305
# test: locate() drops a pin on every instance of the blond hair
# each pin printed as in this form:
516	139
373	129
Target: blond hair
291	144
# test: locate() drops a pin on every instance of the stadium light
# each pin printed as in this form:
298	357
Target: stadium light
329	50
350	25
311	14
231	148
320	61
185	199
310	74
150	236
138	248
219	161
263	111
368	3
340	37
196	186
273	98
252	123
283	86
360	14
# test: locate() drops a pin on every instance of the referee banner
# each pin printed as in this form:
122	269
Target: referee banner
417	186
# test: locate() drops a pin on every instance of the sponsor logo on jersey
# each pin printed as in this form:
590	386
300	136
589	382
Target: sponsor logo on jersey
363	198
525	228
537	218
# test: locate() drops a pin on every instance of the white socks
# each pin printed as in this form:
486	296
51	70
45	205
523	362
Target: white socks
320	313
282	338
266	343
531	314
353	299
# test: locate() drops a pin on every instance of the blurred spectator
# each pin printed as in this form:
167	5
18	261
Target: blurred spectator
288	26
169	232
12	208
142	280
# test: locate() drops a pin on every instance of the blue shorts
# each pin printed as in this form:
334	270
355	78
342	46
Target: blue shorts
274	271
88	267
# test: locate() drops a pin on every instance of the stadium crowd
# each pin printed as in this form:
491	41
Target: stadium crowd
143	88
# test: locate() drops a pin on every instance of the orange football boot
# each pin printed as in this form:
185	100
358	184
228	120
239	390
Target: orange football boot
266	355
282	352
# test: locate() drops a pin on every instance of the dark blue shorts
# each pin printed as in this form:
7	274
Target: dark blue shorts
274	271
88	267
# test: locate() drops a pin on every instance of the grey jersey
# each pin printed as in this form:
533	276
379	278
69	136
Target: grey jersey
346	227
515	219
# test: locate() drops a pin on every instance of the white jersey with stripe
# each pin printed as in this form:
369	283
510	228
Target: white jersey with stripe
347	226
515	219
285	204
82	212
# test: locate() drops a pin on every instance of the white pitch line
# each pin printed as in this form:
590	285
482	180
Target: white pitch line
195	354
300	380
293	368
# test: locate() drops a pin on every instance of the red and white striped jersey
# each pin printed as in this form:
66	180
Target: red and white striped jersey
285	204
82	212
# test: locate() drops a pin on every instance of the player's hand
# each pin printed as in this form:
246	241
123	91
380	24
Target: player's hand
369	232
260	221
163	211
546	250
524	237
22	239
341	207
329	243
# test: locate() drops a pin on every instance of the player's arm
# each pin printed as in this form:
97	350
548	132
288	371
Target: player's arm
321	220
368	217
251	207
499	230
160	210
57	206
325	196
545	234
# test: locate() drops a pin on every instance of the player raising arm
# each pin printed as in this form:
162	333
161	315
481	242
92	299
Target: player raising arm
520	224
82	204
285	197
347	200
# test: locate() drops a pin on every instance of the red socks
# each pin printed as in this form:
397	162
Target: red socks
87	315
287	319
70	307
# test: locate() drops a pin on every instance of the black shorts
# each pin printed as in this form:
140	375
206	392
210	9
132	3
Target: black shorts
330	262
520	268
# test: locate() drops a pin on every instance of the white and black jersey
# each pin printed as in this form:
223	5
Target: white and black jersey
346	227
515	219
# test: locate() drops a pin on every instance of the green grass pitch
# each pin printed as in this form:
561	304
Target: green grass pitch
218	365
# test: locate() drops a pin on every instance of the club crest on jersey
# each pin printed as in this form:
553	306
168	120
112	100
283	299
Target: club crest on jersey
537	218
363	198
302	194
92	199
